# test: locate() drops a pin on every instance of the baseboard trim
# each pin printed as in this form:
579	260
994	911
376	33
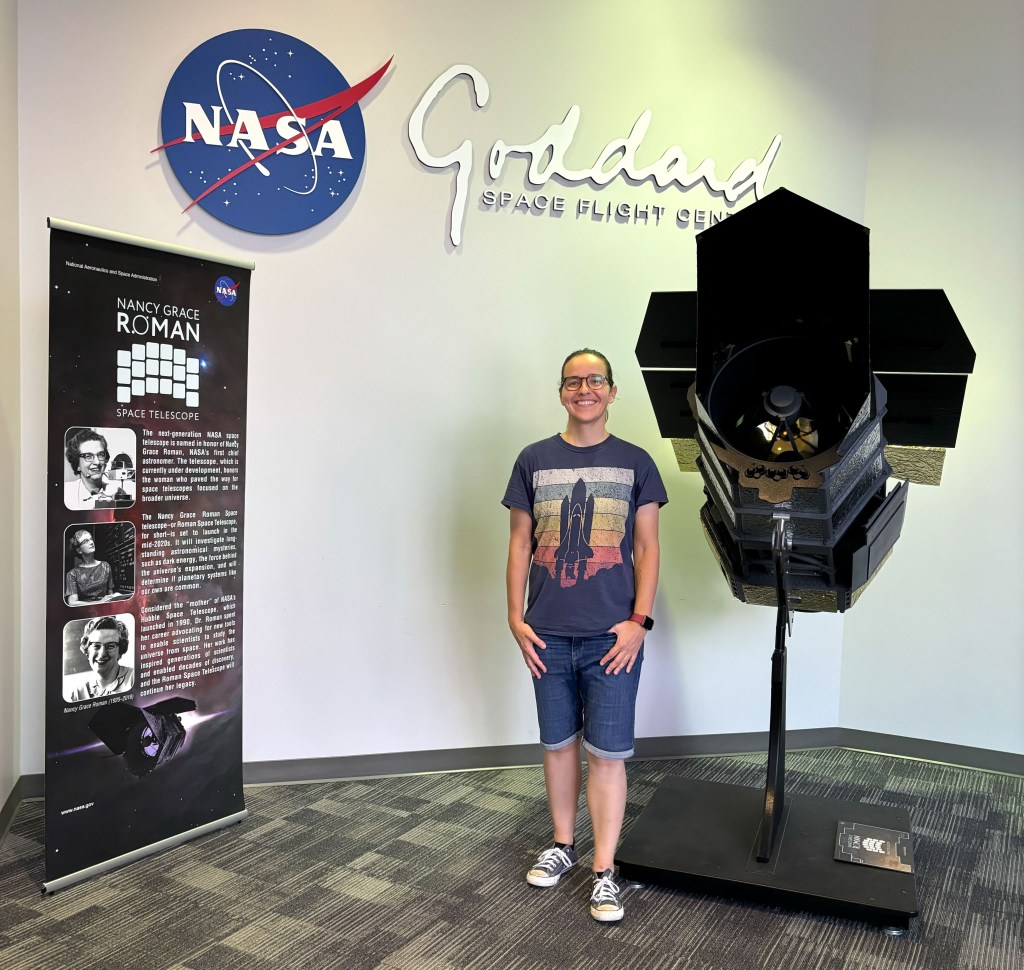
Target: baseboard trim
504	756
397	763
647	749
307	770
982	759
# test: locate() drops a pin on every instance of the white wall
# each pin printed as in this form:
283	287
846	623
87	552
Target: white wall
407	377
935	651
10	439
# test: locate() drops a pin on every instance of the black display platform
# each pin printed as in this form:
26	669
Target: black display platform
702	836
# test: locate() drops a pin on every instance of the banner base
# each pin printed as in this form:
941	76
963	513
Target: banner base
71	879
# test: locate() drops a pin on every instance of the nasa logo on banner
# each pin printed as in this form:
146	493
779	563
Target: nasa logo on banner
264	132
225	290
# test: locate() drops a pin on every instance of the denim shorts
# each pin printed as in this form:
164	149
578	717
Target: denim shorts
577	695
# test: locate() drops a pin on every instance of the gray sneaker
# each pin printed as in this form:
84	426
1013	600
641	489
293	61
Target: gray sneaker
606	897
551	865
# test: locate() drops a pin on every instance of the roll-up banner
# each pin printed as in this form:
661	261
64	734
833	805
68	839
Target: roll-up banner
145	525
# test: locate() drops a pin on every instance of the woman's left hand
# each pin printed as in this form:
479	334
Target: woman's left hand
629	638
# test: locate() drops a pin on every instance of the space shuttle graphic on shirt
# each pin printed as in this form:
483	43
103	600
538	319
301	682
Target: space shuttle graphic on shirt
576	521
581	520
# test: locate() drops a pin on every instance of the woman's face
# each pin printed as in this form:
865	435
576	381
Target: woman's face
86	543
102	652
586	405
92	459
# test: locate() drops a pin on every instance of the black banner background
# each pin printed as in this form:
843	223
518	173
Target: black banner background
182	595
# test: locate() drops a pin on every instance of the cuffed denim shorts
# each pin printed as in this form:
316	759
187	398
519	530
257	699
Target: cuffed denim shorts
577	695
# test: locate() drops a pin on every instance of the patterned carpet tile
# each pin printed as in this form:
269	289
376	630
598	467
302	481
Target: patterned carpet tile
425	872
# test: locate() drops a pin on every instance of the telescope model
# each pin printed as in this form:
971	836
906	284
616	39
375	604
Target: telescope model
797	393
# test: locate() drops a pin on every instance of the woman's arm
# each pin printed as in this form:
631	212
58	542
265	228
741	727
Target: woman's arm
71	589
646	561
520	554
646	557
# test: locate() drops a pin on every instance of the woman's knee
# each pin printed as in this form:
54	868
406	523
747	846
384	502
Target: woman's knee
605	767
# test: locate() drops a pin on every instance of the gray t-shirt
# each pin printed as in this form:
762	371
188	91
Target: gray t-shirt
583	502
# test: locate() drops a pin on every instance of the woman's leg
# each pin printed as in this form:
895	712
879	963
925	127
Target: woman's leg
606	801
560	717
563	776
609	705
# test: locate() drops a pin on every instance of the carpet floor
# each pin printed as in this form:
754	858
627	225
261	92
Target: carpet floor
425	872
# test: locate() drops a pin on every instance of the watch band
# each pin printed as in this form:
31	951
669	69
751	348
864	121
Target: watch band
646	622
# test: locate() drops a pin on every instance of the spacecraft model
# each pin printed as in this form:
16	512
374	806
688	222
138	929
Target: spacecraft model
798	393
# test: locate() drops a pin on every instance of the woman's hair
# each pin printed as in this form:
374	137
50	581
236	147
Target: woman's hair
77	438
77	539
593	353
106	623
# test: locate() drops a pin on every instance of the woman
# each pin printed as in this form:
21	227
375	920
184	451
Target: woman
90	579
584	529
104	642
87	454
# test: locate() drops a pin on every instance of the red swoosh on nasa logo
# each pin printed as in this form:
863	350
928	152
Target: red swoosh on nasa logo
337	104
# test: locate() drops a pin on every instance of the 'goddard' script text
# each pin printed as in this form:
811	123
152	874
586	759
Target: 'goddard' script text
547	155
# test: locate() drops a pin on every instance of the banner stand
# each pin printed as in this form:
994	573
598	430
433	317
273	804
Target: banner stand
146	442
75	877
142	243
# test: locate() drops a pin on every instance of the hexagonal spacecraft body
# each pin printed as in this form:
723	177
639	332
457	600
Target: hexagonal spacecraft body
785	410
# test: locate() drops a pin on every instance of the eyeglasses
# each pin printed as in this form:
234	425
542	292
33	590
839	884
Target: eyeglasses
594	381
107	646
89	457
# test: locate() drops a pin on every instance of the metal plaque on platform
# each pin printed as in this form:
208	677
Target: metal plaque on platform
871	845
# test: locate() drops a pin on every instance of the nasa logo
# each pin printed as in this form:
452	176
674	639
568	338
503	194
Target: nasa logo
226	291
264	132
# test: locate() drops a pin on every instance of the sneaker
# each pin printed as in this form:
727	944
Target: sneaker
606	897
551	865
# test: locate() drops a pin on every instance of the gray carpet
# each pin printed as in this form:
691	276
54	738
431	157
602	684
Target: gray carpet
425	872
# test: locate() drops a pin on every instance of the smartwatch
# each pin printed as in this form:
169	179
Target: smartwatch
646	622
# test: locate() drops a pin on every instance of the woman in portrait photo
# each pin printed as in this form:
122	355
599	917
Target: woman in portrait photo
88	455
104	642
90	580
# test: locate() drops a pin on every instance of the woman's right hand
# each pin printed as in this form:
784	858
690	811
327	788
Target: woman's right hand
529	643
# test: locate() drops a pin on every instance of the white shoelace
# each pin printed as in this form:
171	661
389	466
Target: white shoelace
551	858
606	890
